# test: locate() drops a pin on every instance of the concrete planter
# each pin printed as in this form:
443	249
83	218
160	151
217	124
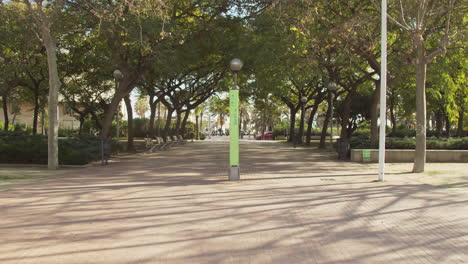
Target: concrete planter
407	155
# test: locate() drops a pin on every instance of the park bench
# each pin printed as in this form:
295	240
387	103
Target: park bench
181	138
164	145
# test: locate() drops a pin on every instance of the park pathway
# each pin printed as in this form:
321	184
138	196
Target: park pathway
291	206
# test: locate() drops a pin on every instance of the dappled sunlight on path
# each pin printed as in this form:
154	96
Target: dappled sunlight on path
291	206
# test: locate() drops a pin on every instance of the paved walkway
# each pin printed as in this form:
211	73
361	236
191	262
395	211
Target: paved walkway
292	206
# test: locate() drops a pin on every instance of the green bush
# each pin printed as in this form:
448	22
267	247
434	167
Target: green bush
202	136
21	148
361	142
67	132
140	127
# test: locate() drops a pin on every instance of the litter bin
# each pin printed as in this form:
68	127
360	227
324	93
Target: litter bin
343	148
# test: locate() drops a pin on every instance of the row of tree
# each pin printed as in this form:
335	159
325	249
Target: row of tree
176	54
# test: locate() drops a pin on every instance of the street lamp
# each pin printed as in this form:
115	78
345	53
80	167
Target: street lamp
234	173
332	89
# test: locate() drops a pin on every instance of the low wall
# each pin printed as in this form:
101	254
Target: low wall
407	155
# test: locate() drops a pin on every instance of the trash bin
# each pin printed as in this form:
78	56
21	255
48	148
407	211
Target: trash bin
343	148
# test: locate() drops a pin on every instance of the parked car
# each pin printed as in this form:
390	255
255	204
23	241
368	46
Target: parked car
266	136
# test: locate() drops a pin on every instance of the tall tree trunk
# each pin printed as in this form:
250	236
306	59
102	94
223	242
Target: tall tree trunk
200	128
310	121
439	123
128	105
373	112
421	66
197	132
36	111
178	120
82	120
54	86
301	125
152	116
184	122
323	136
447	125
392	115
167	127
5	112
345	116
292	124
461	115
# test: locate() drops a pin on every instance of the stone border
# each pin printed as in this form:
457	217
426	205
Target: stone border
407	155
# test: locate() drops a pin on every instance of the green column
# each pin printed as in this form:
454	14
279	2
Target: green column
234	128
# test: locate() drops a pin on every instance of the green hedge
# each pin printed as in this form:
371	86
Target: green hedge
21	148
363	142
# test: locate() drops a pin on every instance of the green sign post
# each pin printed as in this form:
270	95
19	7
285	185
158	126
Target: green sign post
234	128
234	169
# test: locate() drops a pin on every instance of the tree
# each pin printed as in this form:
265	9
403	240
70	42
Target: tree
45	19
423	20
141	106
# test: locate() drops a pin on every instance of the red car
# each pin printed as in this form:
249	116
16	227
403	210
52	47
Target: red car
266	136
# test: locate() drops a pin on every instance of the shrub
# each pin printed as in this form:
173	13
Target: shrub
410	143
202	136
67	132
19	147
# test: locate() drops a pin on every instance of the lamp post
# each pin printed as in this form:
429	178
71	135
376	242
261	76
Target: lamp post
383	91
234	173
301	126
332	89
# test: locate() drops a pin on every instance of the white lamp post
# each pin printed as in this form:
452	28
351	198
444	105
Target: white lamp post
383	92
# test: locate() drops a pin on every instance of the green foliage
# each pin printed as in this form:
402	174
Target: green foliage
22	148
140	127
202	136
362	142
67	132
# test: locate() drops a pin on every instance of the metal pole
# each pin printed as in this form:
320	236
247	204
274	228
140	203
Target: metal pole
234	174
383	92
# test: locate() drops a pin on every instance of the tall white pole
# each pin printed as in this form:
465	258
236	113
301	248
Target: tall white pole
383	92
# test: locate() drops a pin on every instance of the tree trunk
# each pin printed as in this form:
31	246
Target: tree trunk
447	125
292	124
310	121
152	116
301	125
36	111
82	120
128	105
184	123
167	127
5	112
323	136
392	116
461	114
54	86
345	116
197	132
126	85
200	128
373	112
178	120
420	64
439	121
